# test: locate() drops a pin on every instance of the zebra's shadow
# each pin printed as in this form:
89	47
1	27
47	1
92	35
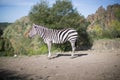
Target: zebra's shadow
75	55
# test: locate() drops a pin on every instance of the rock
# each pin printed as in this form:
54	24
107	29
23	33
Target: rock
108	44
103	16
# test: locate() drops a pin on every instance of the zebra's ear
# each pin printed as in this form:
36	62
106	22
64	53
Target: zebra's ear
33	24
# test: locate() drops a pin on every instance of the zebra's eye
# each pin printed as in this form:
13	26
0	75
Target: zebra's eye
35	26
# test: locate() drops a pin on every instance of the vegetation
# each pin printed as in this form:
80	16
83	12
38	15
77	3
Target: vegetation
6	48
5	45
112	32
54	17
4	25
57	17
105	23
15	37
1	32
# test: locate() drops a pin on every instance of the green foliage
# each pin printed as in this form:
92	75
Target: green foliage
6	48
60	15
105	23
4	25
39	13
55	17
97	31
112	32
17	33
115	29
1	32
117	12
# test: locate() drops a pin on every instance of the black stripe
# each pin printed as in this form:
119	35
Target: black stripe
64	34
61	31
71	35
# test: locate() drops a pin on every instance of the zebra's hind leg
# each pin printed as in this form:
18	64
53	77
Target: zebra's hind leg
73	48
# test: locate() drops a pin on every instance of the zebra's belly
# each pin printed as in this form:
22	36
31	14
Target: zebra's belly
58	41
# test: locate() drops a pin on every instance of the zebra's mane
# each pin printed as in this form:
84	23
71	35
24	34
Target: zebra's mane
42	27
45	28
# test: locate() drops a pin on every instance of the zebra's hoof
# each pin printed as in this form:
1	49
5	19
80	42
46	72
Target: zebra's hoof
15	55
49	58
72	57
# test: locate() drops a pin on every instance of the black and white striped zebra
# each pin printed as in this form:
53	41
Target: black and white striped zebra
54	36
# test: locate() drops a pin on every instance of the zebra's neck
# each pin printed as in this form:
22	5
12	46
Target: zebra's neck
42	31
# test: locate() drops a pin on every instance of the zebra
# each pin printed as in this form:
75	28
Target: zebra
54	36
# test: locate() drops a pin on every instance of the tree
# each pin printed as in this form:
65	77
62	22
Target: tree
1	32
117	12
39	13
115	29
60	15
56	16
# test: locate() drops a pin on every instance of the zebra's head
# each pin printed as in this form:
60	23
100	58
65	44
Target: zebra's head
33	31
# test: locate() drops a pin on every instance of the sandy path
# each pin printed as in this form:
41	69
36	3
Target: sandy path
89	65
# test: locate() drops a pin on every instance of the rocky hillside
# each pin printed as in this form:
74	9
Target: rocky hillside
106	44
105	16
105	19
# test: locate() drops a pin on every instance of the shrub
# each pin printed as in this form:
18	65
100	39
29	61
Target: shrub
6	48
57	17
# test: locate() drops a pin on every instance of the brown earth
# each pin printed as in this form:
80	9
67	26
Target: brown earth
88	65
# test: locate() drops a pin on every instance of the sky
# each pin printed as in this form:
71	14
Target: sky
11	10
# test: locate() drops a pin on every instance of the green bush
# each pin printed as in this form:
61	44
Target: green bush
54	17
112	32
6	48
57	17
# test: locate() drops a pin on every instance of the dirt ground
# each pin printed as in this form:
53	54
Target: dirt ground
88	65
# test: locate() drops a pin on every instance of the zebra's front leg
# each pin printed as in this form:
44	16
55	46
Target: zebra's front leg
49	48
